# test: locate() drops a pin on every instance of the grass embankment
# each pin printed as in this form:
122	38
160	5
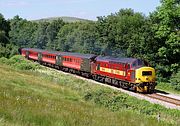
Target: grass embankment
167	87
46	97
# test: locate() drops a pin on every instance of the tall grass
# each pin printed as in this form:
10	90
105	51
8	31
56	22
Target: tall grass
45	97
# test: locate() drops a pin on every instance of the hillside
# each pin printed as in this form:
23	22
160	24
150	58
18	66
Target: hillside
46	97
64	18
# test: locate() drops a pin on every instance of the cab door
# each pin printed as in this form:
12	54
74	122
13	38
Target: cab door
131	75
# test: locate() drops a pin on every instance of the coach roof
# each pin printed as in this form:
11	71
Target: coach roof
87	56
115	59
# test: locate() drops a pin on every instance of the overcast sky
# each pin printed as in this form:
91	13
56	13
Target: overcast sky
88	9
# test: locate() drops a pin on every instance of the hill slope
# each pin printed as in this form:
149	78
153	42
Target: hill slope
46	97
64	18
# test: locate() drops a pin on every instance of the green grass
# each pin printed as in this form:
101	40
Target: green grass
46	97
167	87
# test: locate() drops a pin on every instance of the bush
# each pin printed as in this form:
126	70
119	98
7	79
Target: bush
3	60
175	81
116	101
19	62
8	51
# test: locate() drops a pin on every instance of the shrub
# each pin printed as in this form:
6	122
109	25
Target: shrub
3	60
175	81
19	62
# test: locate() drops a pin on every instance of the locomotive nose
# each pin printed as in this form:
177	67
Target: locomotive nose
145	78
145	74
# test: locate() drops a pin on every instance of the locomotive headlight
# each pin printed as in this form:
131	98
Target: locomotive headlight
138	78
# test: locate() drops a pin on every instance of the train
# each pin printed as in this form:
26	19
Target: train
128	73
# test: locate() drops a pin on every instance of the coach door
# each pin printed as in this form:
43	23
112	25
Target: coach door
27	54
58	60
85	65
39	57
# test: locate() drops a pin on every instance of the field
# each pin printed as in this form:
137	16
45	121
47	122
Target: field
45	97
64	18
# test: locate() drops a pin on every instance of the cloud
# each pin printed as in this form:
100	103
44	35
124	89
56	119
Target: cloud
13	3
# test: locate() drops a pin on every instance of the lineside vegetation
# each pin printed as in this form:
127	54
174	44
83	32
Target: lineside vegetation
42	96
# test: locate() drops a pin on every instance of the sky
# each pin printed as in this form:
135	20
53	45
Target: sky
87	9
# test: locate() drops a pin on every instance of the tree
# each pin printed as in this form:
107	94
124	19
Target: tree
65	40
22	32
120	33
40	36
167	32
52	31
4	29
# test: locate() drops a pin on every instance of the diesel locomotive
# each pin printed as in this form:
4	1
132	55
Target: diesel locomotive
128	73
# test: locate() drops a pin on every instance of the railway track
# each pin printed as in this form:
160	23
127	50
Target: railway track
164	98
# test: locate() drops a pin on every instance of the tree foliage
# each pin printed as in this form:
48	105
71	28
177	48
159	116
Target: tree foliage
155	38
166	25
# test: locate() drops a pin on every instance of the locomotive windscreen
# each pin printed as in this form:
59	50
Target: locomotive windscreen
146	73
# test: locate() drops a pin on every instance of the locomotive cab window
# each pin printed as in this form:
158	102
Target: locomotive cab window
146	73
134	64
140	62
